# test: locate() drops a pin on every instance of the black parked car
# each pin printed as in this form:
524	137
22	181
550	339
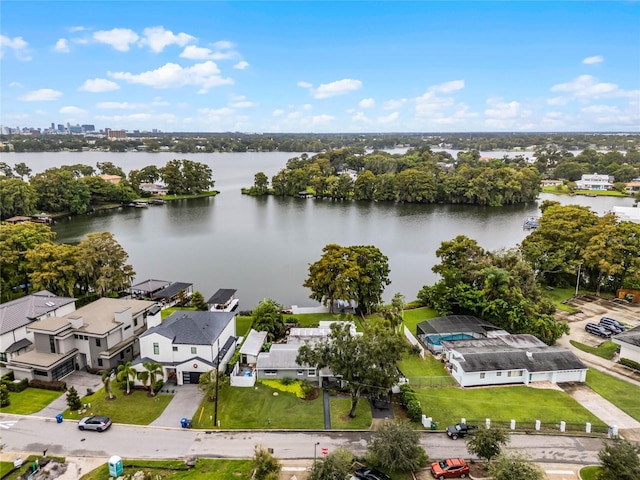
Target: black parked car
595	329
366	473
460	430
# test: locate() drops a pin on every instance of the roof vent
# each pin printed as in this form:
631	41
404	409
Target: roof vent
50	304
530	355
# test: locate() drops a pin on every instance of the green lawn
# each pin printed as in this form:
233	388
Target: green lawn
340	419
589	473
134	409
259	408
168	311
414	366
5	467
416	315
600	193
559	295
205	469
623	395
501	404
604	350
243	325
30	400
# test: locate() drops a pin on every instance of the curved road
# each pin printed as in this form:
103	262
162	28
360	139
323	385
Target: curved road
23	434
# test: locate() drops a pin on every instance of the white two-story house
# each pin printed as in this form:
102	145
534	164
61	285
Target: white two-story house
188	344
17	315
100	335
595	182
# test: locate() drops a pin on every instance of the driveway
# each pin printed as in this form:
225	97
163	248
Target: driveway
81	381
184	404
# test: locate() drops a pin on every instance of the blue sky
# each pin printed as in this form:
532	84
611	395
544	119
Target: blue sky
350	66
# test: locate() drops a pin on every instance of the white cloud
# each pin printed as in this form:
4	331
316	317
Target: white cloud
197	53
157	38
204	75
323	119
394	104
243	104
42	95
392	117
600	109
117	105
501	114
430	105
71	110
339	87
277	112
62	45
76	29
141	118
241	65
592	60
557	101
306	106
223	45
305	84
98	85
360	117
16	85
448	87
367	103
587	86
18	45
118	38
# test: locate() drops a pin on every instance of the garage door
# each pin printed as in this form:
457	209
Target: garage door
191	377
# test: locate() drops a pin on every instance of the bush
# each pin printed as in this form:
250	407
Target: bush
8	376
414	410
57	385
16	386
89	392
407	394
630	363
287	381
158	386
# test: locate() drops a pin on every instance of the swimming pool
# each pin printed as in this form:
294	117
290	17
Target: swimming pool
436	339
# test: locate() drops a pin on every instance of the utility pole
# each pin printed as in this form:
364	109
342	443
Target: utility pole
578	279
215	412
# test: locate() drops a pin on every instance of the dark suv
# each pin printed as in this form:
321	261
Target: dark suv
611	324
595	329
460	430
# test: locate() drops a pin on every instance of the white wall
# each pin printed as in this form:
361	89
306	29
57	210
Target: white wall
629	351
165	346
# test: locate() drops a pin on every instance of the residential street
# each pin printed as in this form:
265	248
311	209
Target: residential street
33	434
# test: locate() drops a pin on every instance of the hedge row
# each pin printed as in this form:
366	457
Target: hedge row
630	363
411	402
57	386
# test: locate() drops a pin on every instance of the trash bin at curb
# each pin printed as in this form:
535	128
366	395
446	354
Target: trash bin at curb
189	423
183	422
59	418
434	425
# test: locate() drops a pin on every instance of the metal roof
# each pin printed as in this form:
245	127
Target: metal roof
253	343
171	290
22	311
149	286
222	296
455	324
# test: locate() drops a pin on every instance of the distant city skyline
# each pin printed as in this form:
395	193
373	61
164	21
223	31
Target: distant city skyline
324	67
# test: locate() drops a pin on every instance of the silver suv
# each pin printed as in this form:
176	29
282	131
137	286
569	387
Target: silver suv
611	324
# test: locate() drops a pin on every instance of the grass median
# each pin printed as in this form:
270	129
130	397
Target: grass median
623	395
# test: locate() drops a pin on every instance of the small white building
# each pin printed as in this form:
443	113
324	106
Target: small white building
629	342
595	181
188	344
627	214
511	359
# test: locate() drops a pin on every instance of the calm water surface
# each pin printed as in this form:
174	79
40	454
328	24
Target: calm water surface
263	246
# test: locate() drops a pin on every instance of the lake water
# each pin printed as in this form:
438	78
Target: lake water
262	246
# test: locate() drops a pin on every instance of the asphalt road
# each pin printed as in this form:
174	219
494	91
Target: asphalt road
22	434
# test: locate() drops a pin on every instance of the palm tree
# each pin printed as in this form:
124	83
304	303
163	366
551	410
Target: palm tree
127	372
154	370
106	381
144	378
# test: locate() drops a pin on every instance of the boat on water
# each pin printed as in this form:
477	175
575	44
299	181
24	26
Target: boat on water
531	223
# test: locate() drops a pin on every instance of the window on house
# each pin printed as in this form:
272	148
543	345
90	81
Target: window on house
300	372
52	344
482	375
127	327
40	373
135	322
98	342
175	349
3	356
311	372
514	373
271	373
156	349
194	350
498	374
75	335
99	362
121	355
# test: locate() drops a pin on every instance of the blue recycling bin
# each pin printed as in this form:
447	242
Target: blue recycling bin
59	418
183	422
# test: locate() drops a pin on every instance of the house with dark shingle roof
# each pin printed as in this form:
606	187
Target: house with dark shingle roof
17	314
510	359
629	342
188	344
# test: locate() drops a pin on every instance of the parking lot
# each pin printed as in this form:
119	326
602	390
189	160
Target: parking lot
592	309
